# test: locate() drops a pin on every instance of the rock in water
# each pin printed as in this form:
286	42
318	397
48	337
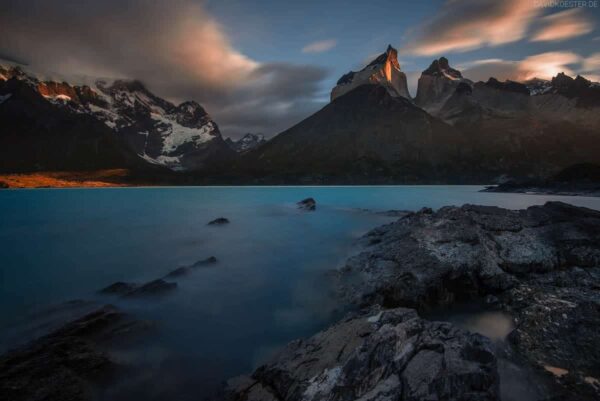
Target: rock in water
218	221
120	288
379	355
307	204
62	365
184	270
153	288
208	261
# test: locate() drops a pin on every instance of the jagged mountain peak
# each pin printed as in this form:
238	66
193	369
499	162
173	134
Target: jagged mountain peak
508	85
179	137
441	67
438	83
384	70
247	142
390	55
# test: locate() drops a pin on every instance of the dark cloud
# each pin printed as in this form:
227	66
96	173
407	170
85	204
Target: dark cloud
173	46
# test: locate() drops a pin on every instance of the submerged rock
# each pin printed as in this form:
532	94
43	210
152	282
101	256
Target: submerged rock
119	288
205	262
218	221
184	270
152	288
63	365
307	204
378	355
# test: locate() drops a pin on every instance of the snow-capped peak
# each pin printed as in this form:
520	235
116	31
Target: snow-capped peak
155	128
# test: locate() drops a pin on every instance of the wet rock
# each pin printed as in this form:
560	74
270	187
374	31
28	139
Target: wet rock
308	204
185	270
458	253
205	262
64	364
153	288
540	263
3	185
119	288
378	355
218	221
558	317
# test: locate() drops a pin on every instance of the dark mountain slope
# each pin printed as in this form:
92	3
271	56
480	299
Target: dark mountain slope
38	135
365	135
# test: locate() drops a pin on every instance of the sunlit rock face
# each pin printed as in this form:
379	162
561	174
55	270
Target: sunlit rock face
437	83
384	70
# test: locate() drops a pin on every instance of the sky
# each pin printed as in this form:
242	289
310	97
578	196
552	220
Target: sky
262	66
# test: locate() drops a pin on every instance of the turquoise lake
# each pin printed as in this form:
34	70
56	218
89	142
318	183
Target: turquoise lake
269	286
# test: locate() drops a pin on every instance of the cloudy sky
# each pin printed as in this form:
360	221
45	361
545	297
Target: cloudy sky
264	65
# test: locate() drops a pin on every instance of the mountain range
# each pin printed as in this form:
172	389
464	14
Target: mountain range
453	131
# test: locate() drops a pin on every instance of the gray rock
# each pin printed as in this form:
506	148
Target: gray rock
541	263
558	318
378	355
308	204
218	221
427	259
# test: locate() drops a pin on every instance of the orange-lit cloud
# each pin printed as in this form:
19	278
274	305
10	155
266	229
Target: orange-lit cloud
463	25
547	65
175	47
544	65
319	46
563	25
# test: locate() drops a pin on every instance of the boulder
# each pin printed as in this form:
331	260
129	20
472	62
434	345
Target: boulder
308	204
218	221
377	355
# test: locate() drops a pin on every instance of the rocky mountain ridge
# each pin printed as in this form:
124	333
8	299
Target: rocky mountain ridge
180	137
383	70
247	142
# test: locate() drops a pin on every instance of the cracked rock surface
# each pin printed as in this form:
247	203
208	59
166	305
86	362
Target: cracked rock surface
377	355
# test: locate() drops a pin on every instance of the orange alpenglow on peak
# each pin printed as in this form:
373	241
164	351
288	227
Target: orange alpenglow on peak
383	70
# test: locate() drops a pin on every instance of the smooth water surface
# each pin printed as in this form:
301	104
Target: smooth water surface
269	286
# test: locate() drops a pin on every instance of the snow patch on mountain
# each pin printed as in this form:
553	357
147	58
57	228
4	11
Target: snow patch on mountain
129	109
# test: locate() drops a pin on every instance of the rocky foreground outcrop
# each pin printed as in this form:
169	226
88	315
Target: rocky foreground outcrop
541	262
65	364
379	355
